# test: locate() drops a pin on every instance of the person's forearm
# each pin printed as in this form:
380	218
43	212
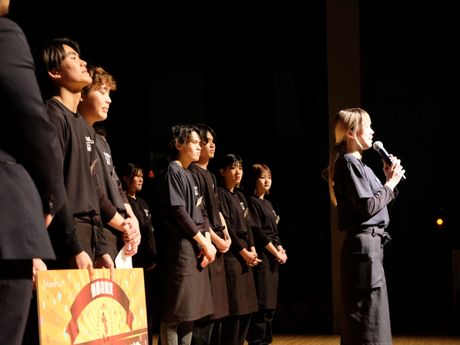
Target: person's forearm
271	248
129	211
117	222
200	239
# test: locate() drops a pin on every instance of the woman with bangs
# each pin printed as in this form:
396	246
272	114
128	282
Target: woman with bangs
362	203
242	255
264	224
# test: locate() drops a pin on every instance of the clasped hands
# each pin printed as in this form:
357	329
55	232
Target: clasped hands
131	236
250	257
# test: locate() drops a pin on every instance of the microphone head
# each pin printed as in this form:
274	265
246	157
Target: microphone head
377	145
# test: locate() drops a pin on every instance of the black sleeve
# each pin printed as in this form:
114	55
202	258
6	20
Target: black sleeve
185	222
108	211
122	193
62	233
250	233
258	232
236	245
102	244
354	182
380	200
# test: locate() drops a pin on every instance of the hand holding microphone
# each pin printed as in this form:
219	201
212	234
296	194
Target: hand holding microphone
378	146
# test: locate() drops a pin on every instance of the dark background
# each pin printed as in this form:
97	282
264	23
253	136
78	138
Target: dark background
256	71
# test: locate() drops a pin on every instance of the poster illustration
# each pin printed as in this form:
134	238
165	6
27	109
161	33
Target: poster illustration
74	310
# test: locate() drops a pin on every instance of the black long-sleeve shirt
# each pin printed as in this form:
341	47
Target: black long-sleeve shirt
361	198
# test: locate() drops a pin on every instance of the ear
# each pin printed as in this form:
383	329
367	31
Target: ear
54	74
350	135
222	172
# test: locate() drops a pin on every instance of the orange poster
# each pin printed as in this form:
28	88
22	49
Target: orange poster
74	310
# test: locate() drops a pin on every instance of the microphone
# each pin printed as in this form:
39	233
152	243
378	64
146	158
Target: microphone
378	146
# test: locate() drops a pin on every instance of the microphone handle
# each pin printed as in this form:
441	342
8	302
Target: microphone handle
386	157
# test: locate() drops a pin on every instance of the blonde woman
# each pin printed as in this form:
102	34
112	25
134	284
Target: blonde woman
361	201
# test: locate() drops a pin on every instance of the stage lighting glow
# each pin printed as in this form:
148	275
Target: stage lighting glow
439	222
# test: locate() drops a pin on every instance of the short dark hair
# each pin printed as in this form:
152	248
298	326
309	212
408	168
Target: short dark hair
204	130
48	56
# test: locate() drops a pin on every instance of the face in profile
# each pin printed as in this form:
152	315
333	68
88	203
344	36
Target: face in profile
72	73
365	134
190	151
208	149
137	182
96	103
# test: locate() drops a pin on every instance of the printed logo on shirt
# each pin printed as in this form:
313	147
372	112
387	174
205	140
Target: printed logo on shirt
245	209
108	158
89	143
277	218
147	213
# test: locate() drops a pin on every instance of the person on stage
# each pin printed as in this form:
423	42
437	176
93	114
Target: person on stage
362	203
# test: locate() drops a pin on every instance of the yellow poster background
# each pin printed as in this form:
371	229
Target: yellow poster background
74	310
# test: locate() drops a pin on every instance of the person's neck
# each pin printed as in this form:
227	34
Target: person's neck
353	148
203	164
183	163
230	188
88	118
69	99
260	195
131	194
357	154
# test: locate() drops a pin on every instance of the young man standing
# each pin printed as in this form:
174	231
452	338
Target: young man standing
65	73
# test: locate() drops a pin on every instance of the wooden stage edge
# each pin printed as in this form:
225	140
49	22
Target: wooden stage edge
298	339
335	340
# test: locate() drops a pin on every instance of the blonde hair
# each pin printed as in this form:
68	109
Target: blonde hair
345	120
100	77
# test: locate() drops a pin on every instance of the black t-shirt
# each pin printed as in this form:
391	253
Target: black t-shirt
106	175
147	252
178	189
207	190
76	140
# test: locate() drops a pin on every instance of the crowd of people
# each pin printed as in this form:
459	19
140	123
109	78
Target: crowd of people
209	250
209	243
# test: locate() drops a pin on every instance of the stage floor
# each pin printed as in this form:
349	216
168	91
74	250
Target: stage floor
298	339
335	340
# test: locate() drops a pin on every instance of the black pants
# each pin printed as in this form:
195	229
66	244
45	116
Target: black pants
31	335
260	329
15	297
235	329
202	331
